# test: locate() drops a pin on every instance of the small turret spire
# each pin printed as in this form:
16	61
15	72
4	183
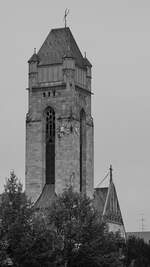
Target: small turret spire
65	16
34	57
111	170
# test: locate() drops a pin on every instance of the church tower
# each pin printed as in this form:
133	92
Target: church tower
59	125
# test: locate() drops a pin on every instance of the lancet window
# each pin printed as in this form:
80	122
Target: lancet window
50	146
82	151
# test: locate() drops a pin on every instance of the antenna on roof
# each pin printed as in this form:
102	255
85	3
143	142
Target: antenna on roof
65	16
142	222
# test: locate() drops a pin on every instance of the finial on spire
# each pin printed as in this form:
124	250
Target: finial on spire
110	169
65	16
34	50
85	54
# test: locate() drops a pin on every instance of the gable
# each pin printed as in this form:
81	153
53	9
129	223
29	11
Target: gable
112	211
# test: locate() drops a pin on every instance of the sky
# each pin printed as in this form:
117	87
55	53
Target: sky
116	37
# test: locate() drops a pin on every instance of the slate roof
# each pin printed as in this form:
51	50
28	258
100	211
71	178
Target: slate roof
87	62
46	198
34	58
100	195
56	45
107	204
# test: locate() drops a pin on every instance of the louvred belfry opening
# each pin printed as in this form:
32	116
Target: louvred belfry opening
50	146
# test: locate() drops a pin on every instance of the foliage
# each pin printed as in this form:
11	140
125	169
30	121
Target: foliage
24	235
68	234
14	214
138	251
83	240
36	248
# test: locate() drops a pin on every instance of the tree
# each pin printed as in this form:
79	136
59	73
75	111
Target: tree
25	239
15	212
137	251
68	234
82	239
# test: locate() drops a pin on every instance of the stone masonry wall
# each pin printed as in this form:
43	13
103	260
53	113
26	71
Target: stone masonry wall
66	100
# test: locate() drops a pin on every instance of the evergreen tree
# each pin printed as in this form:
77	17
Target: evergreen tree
15	212
25	239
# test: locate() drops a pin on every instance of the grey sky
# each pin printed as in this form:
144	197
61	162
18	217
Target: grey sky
116	36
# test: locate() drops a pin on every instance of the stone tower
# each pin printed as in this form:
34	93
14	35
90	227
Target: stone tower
59	125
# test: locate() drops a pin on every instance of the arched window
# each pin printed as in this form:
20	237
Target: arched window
82	151
50	146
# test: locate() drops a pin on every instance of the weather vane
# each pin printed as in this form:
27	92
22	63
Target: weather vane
65	16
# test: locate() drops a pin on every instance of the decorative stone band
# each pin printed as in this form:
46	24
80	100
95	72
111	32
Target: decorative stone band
49	86
29	118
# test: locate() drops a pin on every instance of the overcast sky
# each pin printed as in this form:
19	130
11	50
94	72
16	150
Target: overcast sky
116	36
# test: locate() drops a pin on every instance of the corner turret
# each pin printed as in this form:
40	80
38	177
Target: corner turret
69	68
33	71
88	67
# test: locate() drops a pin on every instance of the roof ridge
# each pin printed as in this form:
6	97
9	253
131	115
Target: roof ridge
60	28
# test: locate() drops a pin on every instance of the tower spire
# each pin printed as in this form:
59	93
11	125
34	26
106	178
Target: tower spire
65	16
110	170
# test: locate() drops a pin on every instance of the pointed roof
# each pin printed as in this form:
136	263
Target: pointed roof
56	45
87	62
34	58
112	207
107	204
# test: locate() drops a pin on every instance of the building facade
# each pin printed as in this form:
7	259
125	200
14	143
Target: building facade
59	124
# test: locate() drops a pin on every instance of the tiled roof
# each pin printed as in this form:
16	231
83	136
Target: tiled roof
46	198
56	45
